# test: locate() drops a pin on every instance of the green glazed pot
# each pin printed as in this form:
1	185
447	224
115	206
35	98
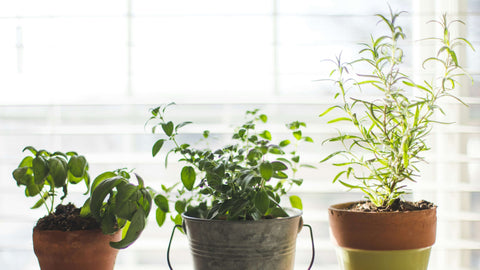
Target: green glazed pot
356	259
382	241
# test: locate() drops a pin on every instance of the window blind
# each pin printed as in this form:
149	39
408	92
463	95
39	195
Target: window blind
83	77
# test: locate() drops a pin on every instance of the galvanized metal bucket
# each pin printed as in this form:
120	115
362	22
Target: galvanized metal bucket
267	244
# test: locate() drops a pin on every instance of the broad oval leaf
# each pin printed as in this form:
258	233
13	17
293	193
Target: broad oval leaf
266	170
77	166
278	166
100	178
99	194
297	134
40	169
188	176
168	128
160	216
284	143
296	202
266	135
180	206
19	175
262	202
157	146
58	171
162	203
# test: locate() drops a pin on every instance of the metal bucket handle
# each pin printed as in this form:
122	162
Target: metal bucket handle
184	228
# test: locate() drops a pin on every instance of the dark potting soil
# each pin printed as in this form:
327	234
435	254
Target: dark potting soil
397	206
66	218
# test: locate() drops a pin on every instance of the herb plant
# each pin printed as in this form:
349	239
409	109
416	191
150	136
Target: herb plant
44	172
244	180
127	205
391	130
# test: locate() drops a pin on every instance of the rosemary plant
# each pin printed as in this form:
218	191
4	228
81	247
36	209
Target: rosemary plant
391	130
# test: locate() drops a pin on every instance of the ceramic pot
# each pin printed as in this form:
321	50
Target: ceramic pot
75	250
379	241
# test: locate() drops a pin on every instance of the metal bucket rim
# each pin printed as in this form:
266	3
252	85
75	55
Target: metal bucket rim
292	212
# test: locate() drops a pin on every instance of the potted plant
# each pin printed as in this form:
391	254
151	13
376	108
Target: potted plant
88	237
382	154
228	199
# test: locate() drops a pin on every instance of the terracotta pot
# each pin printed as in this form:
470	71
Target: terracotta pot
75	250
379	241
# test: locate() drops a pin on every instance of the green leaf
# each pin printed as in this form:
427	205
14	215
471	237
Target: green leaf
266	135
329	109
180	206
162	203
58	170
262	202
100	193
297	134
85	210
31	149
263	118
160	216
136	227
40	169
26	162
77	166
278	166
32	188
157	146
182	125
100	178
168	128
108	222
126	200
279	212
41	201
188	176
298	182
308	139
296	202
339	119
20	175
266	170
338	176
284	143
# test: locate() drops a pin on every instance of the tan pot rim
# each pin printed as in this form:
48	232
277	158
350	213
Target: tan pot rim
342	207
384	230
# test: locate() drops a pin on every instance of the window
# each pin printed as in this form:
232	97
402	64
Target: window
82	76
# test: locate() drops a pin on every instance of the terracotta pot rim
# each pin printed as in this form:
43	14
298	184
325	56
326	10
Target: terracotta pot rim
398	230
341	207
88	230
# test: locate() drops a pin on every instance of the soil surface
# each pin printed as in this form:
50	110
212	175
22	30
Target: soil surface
397	206
66	218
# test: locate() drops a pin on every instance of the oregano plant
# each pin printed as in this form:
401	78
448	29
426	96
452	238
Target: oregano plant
390	131
243	180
